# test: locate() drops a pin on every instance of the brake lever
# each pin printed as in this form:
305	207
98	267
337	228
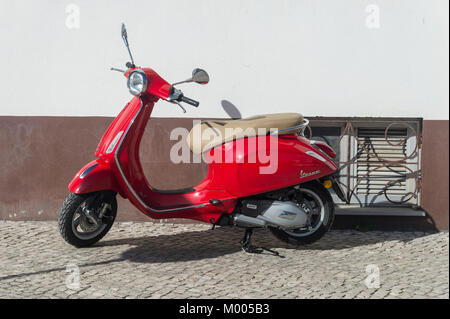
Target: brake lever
174	96
118	70
179	104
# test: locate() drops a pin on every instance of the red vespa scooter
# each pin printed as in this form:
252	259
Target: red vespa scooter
289	196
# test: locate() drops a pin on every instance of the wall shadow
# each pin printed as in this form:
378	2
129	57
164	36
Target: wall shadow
231	109
386	223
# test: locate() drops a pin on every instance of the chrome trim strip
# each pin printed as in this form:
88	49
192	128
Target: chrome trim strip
128	184
88	170
112	145
300	128
315	155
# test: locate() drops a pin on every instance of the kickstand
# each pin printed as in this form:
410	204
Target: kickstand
248	248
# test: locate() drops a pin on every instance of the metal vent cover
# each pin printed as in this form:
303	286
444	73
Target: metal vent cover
384	147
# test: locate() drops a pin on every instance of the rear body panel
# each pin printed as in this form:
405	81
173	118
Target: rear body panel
293	161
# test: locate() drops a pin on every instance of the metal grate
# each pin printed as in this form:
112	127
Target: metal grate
377	178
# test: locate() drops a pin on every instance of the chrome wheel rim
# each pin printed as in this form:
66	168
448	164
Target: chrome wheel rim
318	214
82	227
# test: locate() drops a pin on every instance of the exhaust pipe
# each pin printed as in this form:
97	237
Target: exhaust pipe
247	221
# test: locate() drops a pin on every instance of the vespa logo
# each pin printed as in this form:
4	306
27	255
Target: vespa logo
305	174
288	215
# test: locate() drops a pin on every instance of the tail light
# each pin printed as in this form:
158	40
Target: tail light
324	147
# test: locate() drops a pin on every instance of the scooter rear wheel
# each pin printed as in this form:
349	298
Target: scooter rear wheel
323	210
80	229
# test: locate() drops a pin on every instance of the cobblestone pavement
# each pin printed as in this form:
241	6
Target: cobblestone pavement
151	260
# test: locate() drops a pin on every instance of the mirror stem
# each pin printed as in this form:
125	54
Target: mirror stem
131	57
185	81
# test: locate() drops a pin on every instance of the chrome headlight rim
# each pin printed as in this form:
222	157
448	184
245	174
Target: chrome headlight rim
133	90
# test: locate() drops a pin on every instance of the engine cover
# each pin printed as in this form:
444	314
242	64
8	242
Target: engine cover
283	214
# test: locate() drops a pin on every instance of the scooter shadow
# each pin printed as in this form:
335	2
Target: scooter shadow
205	244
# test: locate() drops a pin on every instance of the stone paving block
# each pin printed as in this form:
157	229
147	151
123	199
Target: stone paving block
153	260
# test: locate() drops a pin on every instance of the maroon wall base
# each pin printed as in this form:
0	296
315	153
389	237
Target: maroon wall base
40	155
435	173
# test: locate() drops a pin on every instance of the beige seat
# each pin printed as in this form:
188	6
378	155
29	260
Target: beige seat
211	133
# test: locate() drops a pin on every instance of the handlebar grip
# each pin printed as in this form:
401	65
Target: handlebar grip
189	101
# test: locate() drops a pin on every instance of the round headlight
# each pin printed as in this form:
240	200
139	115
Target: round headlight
137	82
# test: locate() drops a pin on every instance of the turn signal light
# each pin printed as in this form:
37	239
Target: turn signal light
327	183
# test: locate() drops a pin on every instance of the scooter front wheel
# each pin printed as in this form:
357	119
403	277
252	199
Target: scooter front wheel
84	219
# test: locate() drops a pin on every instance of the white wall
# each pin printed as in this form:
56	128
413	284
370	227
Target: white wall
317	57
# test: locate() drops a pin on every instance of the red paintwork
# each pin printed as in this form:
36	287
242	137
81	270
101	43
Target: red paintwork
326	148
120	169
100	178
244	179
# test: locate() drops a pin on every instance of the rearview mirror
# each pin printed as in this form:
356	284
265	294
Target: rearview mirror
124	34
125	39
200	76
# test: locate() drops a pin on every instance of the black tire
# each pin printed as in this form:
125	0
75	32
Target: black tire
70	206
328	206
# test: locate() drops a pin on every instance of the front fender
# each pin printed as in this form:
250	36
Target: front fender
95	176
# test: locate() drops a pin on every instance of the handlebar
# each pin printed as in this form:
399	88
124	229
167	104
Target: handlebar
189	101
178	96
